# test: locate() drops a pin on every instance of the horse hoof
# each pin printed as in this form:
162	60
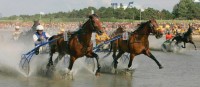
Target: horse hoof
160	67
113	70
129	69
97	74
115	65
51	68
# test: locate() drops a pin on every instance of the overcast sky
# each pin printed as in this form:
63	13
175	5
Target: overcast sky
17	7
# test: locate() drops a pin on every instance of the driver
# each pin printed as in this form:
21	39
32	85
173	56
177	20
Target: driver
16	33
168	36
102	38
39	37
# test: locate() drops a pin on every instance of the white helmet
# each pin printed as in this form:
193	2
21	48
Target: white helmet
16	27
39	27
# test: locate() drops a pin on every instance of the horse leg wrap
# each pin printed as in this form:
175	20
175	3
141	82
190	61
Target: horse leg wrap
160	67
129	65
115	64
49	64
98	68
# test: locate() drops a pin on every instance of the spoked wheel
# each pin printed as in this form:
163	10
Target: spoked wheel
43	49
24	65
164	47
177	48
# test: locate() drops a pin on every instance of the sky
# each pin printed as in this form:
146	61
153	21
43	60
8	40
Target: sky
30	7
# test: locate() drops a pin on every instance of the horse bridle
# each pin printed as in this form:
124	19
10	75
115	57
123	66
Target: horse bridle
92	25
152	27
94	29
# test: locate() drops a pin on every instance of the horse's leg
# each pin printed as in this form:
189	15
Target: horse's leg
50	63
72	60
131	60
50	59
183	46
148	53
193	44
98	65
116	58
177	43
60	56
114	50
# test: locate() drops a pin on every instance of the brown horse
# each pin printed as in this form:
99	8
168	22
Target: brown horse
118	31
79	44
36	23
138	43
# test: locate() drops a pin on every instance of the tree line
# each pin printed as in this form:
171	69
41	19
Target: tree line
185	10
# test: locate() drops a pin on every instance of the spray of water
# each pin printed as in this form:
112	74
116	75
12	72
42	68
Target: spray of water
11	51
10	55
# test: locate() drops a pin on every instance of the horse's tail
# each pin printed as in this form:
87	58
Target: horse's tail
111	46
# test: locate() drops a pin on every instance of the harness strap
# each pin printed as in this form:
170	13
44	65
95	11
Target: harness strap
43	34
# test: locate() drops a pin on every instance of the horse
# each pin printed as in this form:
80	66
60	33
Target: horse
118	31
185	38
35	24
137	43
79	44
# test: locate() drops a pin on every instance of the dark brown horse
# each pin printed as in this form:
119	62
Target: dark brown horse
36	23
185	38
118	31
79	44
138	43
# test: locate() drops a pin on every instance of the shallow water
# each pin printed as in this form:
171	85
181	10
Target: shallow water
180	70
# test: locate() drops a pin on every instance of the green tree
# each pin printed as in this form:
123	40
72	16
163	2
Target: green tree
186	9
132	13
150	13
119	13
106	12
166	15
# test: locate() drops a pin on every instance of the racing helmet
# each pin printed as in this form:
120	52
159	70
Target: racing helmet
39	27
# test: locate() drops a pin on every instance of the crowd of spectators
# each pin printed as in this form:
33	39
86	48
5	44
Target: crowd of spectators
110	26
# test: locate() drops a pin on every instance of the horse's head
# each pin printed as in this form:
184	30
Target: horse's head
96	24
120	29
190	29
153	28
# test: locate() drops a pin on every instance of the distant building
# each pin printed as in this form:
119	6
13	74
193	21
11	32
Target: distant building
121	5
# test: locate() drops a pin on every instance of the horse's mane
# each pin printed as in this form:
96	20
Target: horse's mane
141	26
189	31
90	17
80	30
94	16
